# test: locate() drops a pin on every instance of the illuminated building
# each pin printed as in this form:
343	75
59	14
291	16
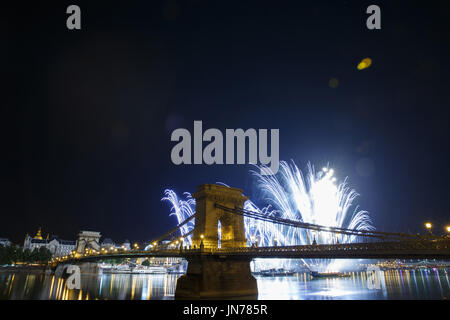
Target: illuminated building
57	247
5	242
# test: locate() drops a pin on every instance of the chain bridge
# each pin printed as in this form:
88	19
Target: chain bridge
223	272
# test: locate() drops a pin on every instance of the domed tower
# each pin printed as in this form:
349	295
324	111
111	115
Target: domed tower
38	234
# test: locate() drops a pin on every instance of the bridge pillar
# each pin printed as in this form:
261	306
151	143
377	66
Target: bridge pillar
207	217
86	268
212	277
217	276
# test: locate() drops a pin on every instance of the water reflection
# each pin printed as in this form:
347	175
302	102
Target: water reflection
395	284
21	286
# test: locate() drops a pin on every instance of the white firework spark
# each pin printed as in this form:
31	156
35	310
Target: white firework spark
316	198
182	209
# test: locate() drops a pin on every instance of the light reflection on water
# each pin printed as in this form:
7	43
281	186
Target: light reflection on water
395	284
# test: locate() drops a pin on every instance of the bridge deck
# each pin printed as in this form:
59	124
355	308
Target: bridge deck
376	250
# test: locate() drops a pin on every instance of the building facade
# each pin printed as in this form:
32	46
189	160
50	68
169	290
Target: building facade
109	244
57	247
5	242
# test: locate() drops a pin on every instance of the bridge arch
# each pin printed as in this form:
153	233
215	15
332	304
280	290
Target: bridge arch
208	217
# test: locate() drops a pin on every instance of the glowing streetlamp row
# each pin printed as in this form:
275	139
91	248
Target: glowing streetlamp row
429	225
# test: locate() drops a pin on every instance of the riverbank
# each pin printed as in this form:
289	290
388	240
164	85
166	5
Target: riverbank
25	268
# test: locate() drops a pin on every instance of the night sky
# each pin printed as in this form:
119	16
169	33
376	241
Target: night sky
87	115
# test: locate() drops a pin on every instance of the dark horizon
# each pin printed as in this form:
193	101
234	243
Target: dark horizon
89	113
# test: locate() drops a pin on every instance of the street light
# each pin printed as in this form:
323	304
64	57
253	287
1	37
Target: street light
428	225
202	236
448	229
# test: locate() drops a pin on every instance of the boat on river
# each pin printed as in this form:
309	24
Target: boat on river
275	273
319	275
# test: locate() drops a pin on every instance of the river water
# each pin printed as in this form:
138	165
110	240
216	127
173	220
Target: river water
395	284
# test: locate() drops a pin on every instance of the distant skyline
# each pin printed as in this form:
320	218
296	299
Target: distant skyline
88	115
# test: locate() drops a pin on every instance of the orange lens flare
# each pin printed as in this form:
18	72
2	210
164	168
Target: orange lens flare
364	64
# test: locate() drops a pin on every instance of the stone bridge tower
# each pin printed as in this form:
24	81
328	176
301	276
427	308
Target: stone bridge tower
88	240
212	276
207	217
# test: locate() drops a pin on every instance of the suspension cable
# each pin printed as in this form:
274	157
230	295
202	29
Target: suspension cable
174	229
299	224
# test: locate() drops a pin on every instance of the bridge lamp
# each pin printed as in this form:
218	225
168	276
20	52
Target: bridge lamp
428	225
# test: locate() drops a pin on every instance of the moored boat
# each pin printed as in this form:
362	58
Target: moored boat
319	275
275	273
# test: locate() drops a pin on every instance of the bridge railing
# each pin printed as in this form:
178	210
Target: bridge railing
397	246
372	246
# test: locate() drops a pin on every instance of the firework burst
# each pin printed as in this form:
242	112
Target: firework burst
315	198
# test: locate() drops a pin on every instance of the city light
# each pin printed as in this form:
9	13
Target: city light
428	225
448	229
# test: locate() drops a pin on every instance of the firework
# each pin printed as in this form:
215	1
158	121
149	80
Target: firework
315	198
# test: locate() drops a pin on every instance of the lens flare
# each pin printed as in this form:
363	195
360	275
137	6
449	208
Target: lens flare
364	64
